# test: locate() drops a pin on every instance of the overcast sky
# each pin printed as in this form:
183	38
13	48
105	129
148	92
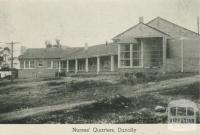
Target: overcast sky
75	22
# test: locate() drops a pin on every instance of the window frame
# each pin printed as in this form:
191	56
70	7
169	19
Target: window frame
140	54
24	66
55	62
131	58
49	67
30	64
26	63
39	63
124	58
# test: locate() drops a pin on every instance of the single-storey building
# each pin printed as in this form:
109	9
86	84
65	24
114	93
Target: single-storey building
42	62
156	46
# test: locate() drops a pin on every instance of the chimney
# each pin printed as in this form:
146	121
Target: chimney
141	19
106	43
86	47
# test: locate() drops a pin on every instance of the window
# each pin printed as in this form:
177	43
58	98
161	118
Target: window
26	63
32	64
21	64
55	64
137	60
40	63
125	55
64	64
128	50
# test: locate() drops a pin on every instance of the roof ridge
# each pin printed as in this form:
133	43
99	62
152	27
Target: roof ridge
126	30
172	24
157	29
137	25
109	43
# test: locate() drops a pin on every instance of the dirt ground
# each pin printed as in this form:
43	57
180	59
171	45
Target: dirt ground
91	101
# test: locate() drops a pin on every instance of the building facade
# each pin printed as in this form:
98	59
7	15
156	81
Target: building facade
157	46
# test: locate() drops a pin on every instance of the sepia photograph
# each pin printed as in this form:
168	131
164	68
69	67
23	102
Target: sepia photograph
100	62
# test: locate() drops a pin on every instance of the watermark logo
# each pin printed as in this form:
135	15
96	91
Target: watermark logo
182	115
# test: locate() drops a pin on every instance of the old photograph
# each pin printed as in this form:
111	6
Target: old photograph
99	62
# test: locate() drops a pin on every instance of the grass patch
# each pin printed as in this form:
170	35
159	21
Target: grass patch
141	77
192	91
55	83
88	84
114	109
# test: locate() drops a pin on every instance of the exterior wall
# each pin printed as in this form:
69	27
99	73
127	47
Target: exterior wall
152	57
190	56
39	71
152	53
191	60
173	62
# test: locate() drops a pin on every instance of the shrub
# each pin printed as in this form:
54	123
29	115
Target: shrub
141	77
128	78
153	77
108	104
62	74
59	74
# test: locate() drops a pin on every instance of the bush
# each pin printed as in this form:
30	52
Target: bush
128	78
141	77
60	74
106	105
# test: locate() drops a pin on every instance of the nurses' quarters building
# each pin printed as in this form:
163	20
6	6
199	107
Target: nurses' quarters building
156	46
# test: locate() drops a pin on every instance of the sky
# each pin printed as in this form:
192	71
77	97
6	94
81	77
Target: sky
76	22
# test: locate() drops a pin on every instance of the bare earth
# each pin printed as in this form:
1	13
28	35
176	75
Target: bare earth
39	97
